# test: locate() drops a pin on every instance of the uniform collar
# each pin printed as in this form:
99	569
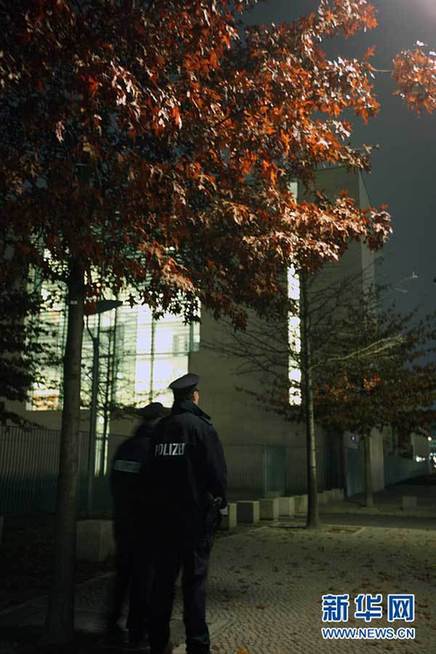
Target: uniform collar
187	406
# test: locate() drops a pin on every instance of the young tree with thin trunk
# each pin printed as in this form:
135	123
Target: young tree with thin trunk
148	145
306	360
389	380
362	367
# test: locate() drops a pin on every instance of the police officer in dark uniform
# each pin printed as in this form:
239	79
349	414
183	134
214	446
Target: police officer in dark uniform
189	479
132	557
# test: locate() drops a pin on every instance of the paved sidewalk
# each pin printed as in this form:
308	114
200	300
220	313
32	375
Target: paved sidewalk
271	580
266	584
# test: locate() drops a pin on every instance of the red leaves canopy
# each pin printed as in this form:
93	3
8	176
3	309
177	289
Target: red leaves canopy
157	146
415	75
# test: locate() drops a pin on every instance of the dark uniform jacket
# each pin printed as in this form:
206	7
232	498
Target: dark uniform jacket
188	470
129	468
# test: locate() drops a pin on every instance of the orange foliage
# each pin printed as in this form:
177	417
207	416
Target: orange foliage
125	125
415	75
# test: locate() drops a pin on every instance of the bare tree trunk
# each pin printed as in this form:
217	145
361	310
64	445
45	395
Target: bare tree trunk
59	627
313	521
369	488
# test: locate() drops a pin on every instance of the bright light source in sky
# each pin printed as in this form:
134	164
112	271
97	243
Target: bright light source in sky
429	6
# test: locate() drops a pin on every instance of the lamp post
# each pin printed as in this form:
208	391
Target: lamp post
95	308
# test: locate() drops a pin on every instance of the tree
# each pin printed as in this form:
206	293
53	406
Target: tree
362	367
282	354
147	144
382	374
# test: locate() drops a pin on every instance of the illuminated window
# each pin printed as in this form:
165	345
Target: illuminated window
138	356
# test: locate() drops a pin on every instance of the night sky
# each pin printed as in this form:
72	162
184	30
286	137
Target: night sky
404	168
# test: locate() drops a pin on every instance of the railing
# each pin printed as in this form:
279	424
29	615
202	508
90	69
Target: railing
256	470
29	462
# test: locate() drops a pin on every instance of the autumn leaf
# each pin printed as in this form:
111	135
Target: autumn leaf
370	52
175	113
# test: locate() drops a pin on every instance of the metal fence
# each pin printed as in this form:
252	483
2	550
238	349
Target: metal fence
29	462
256	470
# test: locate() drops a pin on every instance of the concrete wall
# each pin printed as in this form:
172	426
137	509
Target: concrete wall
355	462
53	419
47	419
239	418
398	468
377	460
421	445
358	262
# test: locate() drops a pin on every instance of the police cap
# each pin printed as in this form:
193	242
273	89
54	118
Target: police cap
153	411
185	382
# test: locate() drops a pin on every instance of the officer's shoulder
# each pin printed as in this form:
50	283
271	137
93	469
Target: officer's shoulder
207	430
202	419
206	419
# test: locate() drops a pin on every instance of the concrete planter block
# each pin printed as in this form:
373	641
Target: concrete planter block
322	497
269	509
409	502
248	511
95	541
229	521
301	504
339	494
286	506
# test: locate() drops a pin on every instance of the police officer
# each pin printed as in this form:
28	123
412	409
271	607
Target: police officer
132	557
188	478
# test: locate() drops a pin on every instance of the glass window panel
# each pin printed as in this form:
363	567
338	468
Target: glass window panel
166	369
139	360
171	338
143	339
142	375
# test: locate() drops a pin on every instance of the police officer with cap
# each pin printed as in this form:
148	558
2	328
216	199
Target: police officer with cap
189	480
133	557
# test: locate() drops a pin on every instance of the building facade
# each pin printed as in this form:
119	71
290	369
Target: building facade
139	356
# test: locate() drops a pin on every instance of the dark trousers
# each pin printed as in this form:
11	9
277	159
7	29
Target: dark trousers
133	578
193	559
